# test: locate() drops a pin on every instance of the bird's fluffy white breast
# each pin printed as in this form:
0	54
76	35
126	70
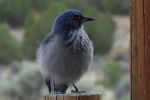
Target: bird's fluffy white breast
79	39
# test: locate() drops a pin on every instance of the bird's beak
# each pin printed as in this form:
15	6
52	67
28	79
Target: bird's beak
86	19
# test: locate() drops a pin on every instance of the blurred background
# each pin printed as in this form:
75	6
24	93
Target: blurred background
23	23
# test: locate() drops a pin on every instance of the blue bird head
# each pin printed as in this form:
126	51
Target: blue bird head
69	20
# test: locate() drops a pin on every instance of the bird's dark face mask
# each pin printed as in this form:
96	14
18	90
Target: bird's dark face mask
77	20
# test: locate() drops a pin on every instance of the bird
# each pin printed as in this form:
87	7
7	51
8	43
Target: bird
66	53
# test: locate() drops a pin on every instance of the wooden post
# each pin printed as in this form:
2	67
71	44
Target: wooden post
140	47
74	96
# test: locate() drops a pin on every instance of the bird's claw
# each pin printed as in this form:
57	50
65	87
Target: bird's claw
74	91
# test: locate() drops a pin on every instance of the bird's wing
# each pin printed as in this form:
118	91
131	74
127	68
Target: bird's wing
43	52
48	38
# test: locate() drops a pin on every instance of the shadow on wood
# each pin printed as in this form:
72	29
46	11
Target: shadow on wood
74	96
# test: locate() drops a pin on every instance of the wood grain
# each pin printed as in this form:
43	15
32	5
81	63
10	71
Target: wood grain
78	96
140	50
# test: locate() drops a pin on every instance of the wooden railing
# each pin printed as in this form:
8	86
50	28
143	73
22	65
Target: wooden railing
140	47
74	96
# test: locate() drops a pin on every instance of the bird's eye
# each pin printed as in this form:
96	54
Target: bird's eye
77	17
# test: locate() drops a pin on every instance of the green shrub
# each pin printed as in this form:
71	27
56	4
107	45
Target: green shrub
24	85
116	6
101	30
127	97
15	12
111	6
112	73
39	5
9	47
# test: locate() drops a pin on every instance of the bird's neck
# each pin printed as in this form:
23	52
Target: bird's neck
77	39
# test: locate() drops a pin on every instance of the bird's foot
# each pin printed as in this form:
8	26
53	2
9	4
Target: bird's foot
76	90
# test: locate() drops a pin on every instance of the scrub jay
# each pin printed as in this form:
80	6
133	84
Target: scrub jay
65	54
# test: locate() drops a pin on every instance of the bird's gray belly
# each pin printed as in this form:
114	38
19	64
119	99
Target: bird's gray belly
68	66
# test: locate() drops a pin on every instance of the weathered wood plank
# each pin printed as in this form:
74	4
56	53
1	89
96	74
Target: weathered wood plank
78	96
140	50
